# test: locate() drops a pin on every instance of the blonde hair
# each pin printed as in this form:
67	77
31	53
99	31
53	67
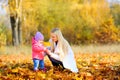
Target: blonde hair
63	44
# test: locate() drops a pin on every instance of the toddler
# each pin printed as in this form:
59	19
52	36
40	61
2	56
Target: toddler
38	51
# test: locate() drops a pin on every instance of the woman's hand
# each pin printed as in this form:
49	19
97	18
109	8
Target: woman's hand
48	51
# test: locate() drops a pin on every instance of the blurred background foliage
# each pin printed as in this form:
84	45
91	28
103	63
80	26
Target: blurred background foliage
81	21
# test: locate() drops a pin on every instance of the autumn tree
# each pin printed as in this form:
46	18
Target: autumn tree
81	21
115	11
15	20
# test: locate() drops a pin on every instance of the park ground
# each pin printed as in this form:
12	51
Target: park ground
95	62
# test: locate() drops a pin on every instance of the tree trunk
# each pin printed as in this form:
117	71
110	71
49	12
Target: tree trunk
15	19
19	32
14	31
18	22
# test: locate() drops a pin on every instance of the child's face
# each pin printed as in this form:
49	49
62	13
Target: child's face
40	41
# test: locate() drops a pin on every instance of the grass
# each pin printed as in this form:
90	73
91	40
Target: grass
17	50
113	48
77	49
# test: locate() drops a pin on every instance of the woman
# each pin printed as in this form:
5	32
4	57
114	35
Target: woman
61	52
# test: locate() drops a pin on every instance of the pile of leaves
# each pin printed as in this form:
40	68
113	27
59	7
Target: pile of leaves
96	66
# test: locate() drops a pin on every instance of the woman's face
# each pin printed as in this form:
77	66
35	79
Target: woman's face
54	37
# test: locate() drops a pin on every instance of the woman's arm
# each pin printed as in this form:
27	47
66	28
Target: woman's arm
53	55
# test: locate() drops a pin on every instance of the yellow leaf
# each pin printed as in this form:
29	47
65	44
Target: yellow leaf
46	44
15	70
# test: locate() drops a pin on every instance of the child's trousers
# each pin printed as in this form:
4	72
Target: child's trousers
38	63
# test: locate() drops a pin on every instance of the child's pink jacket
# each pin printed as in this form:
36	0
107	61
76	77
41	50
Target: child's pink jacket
37	50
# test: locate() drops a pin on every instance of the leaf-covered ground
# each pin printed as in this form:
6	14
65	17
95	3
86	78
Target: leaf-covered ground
96	66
